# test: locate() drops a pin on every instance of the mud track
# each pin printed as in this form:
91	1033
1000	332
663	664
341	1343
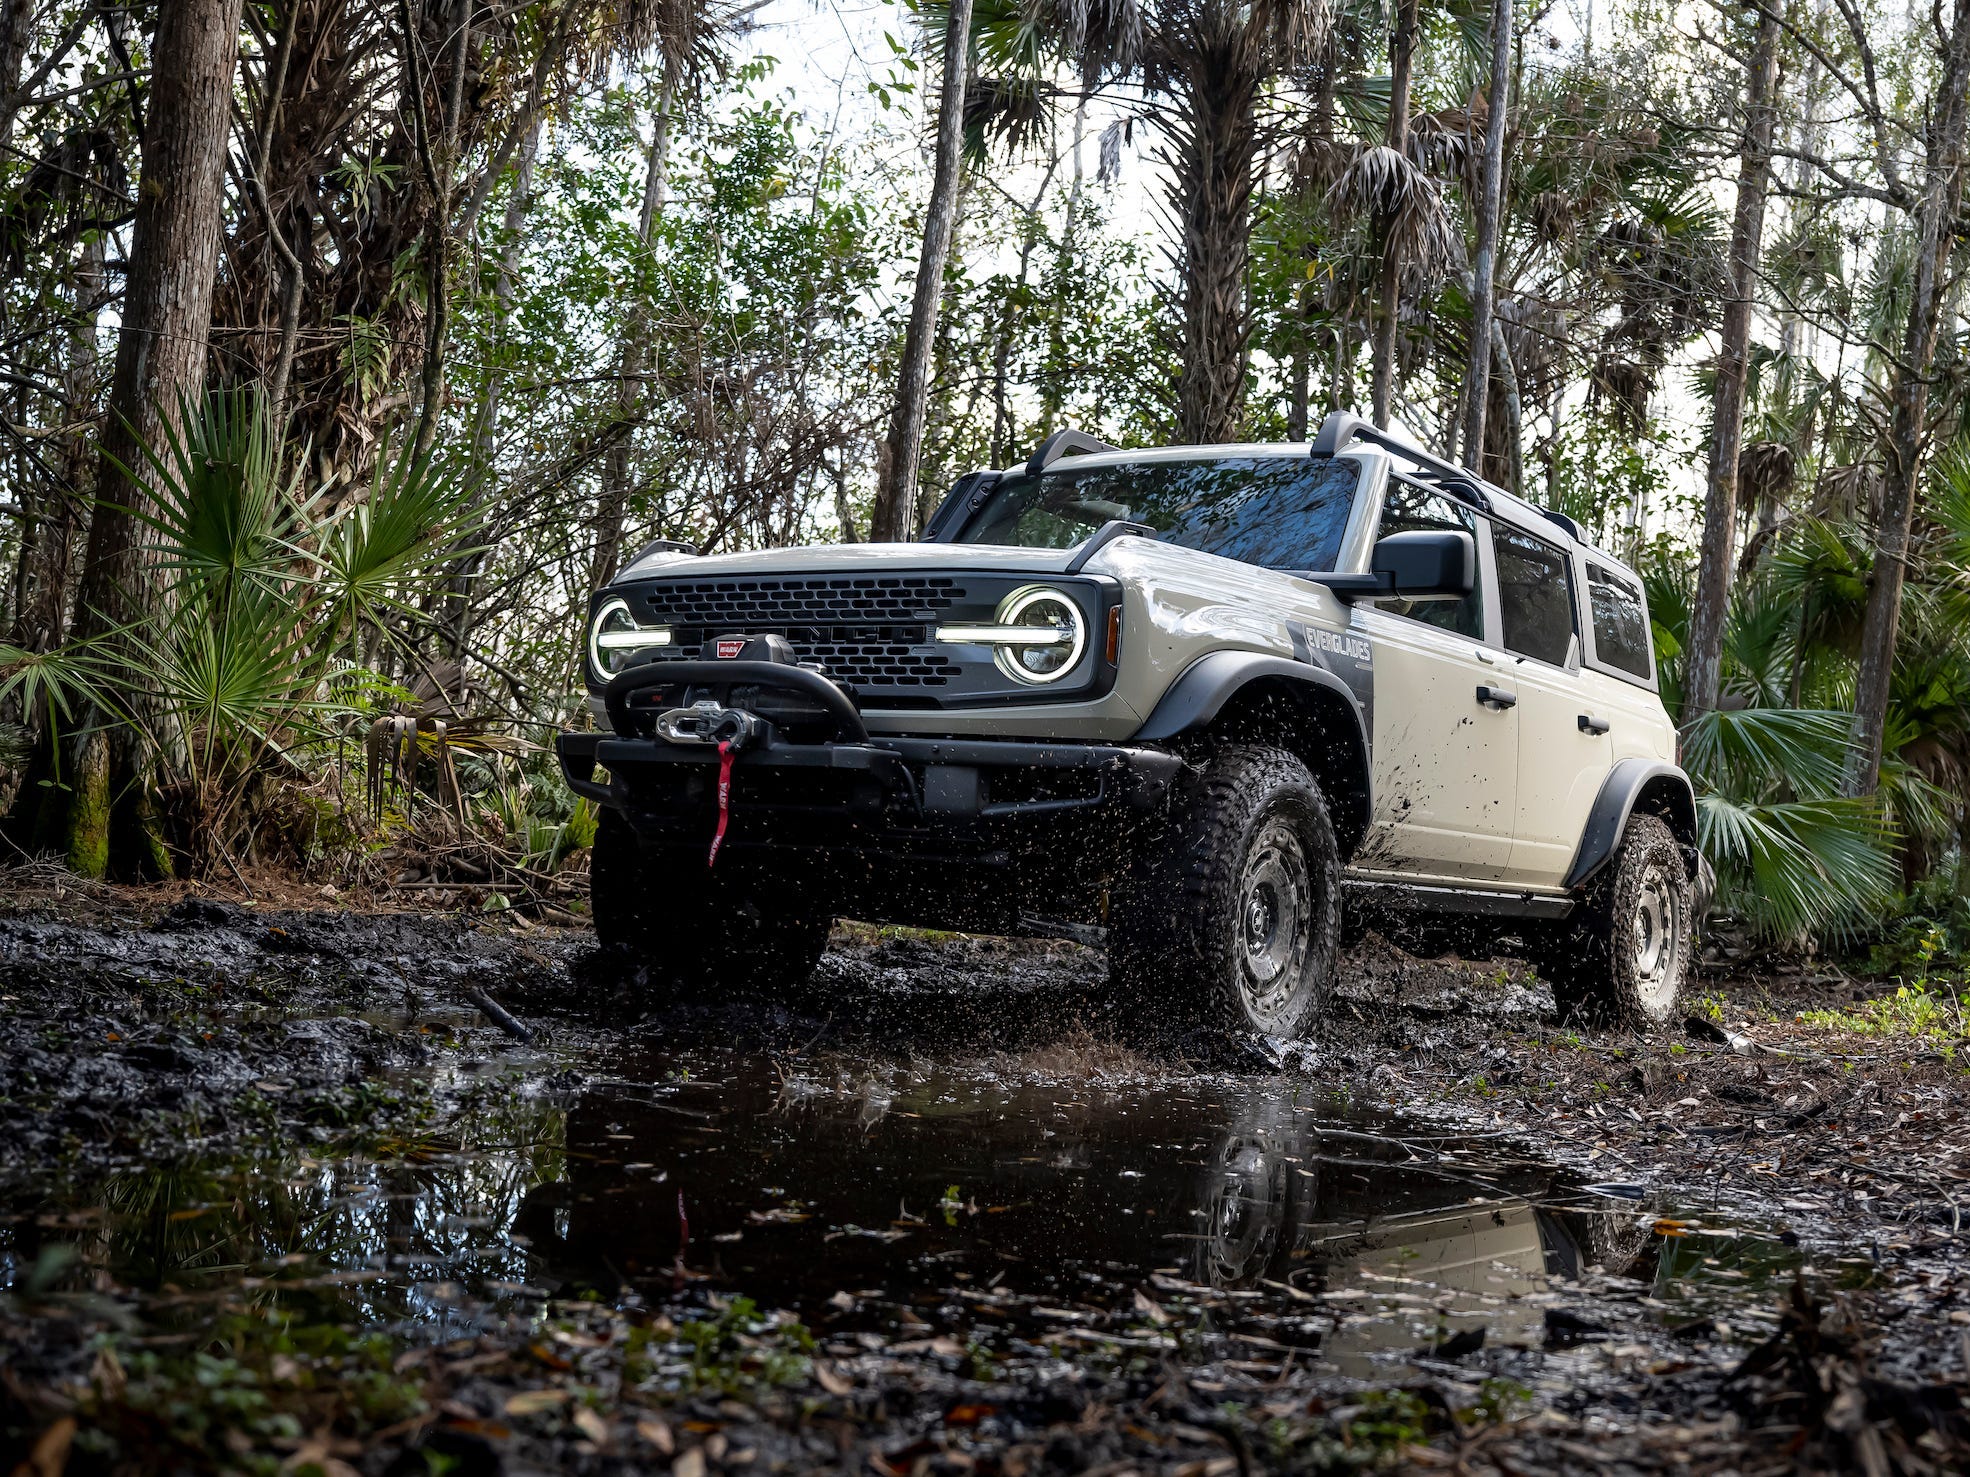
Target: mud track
277	1191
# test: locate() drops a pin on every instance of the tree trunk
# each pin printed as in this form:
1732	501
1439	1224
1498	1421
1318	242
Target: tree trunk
1296	407
897	484
1402	47
16	20
1703	664
439	160
1514	427
160	355
1484	269
1013	320
1936	218
466	566
633	354
1054	378
1212	199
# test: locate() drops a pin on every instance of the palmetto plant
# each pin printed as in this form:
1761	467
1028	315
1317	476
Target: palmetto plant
1794	858
271	599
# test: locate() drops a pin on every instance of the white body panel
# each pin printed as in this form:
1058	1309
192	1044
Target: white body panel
1445	766
1560	769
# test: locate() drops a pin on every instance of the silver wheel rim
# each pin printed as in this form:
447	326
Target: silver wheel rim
1658	941
1244	1209
1275	913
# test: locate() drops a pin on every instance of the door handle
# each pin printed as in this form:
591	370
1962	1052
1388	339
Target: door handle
1497	697
1590	724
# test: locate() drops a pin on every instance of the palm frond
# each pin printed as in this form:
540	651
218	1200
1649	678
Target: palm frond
1756	754
1387	187
221	518
414	512
1799	867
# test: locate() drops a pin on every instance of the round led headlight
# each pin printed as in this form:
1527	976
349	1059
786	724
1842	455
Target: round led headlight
1059	635
614	638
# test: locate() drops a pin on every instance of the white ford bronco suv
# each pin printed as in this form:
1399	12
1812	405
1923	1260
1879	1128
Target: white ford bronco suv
1191	702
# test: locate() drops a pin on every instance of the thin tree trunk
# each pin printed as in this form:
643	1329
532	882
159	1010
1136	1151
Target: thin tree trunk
439	159
1484	269
1010	315
1702	667
1402	47
16	20
160	353
1936	219
485	426
1296	409
1052	383
844	514
633	354
897	483
1514	427
54	522
293	261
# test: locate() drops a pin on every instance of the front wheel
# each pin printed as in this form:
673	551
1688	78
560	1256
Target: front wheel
679	917
1232	912
1624	957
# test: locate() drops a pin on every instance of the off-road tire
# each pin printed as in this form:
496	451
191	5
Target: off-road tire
1231	913
724	927
1623	958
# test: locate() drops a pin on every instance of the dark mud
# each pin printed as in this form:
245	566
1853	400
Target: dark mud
276	1193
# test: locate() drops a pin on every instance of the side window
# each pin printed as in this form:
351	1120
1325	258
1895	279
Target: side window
1535	595
1621	626
1408	508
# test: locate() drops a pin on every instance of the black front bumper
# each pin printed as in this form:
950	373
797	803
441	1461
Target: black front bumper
900	783
824	780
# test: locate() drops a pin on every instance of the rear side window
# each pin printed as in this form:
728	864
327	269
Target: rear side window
1621	627
1409	509
1535	595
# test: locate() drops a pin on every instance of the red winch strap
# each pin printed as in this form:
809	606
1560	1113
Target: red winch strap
724	800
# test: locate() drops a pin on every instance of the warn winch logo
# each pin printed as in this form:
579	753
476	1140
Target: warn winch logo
727	650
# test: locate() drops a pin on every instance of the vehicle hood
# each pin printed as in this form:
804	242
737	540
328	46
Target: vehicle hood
852	556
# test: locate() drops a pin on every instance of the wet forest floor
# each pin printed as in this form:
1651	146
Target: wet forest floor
280	1192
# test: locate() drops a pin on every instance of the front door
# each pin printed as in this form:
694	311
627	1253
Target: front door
1561	761
1445	760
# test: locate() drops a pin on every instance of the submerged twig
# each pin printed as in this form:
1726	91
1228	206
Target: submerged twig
499	1015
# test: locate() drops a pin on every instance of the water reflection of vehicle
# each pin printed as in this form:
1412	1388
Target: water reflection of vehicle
791	1192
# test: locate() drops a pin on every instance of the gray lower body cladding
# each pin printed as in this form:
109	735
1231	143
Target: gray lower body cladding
930	831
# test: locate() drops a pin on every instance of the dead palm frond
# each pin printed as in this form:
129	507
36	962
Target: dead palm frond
1764	472
1387	188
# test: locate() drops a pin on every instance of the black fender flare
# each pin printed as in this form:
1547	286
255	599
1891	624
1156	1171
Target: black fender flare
1204	688
1620	792
1207	684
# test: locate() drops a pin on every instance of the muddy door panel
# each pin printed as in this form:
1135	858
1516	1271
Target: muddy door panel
1445	756
1563	757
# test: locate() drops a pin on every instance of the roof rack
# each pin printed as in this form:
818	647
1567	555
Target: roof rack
1069	442
1342	429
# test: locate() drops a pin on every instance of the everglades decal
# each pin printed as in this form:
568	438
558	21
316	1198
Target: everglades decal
1348	655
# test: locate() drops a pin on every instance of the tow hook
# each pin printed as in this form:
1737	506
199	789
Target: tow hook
707	723
731	729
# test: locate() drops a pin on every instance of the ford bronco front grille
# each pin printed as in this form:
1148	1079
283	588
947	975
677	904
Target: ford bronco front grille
873	632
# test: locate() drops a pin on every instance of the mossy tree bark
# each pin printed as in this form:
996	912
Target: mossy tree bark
160	359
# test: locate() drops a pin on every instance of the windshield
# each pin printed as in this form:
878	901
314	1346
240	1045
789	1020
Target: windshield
1279	512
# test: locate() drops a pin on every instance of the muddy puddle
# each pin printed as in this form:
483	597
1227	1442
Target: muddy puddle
1235	1219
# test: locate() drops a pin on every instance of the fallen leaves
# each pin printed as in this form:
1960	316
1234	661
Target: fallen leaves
535	1402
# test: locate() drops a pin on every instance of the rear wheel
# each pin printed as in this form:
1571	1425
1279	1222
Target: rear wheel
1624	956
727	925
1232	913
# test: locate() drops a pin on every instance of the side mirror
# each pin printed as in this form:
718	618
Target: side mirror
1425	563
